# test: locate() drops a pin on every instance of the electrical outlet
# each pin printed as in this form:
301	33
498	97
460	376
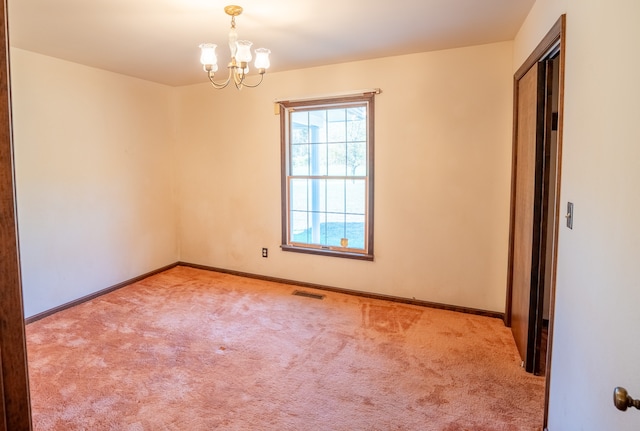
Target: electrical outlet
265	252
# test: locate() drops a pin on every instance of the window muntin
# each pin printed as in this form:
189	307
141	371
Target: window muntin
328	177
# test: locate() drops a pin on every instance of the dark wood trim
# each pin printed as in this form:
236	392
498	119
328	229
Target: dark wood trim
283	172
550	39
321	101
548	207
3	415
561	29
557	33
330	253
371	137
15	380
467	310
508	308
536	293
97	294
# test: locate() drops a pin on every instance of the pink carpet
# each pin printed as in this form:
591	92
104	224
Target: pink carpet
189	349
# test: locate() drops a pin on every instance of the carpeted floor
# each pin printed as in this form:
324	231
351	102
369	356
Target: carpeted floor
195	350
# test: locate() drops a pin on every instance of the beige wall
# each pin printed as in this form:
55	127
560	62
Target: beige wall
595	344
97	152
94	178
443	155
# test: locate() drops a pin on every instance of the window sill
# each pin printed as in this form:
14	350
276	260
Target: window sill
324	252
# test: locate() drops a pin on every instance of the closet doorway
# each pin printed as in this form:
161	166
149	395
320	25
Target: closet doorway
535	206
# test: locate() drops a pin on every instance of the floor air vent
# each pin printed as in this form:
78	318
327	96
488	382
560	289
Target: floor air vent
308	294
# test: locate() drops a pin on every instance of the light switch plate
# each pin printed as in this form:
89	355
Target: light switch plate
569	215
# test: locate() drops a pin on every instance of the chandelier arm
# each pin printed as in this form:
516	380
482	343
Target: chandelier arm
244	84
219	85
238	78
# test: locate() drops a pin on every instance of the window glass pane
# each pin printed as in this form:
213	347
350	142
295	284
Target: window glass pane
317	191
355	231
355	196
336	115
317	222
357	159
318	159
299	221
337	125
337	158
335	229
299	199
318	126
299	127
335	196
357	124
300	159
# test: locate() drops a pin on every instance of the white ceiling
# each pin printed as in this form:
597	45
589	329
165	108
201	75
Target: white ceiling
158	40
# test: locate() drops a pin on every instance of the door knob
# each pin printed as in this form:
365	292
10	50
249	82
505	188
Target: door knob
622	400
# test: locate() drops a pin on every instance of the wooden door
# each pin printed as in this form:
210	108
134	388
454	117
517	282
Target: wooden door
527	206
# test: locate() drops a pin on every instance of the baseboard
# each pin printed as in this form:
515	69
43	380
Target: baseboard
467	310
493	314
94	295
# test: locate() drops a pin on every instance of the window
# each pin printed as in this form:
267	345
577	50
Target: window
327	178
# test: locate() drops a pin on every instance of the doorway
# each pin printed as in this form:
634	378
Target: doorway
537	143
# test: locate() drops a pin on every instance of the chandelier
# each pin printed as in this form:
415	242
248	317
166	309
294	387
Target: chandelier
240	57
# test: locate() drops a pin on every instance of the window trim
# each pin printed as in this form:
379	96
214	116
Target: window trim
284	108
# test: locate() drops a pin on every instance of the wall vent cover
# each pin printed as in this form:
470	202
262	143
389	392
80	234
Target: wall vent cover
308	294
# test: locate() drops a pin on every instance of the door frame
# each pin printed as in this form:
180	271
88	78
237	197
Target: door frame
14	381
555	37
